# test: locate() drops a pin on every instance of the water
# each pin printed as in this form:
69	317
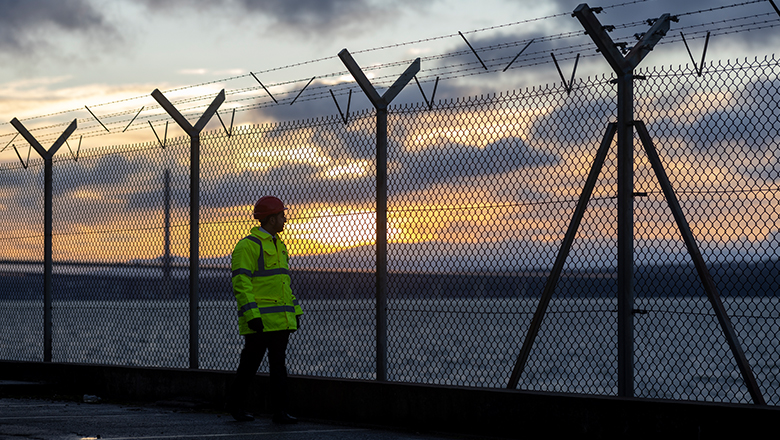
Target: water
680	352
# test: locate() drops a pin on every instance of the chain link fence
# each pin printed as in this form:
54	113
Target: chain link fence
481	191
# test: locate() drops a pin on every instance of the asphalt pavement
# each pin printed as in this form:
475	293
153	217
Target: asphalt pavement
69	418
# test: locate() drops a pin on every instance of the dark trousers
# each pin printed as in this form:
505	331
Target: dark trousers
255	346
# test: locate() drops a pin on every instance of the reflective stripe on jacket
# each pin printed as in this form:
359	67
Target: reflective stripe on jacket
261	283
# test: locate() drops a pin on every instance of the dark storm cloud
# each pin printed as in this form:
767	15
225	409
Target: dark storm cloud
304	16
88	190
744	130
24	24
99	172
408	171
312	13
750	117
23	187
576	124
296	184
451	163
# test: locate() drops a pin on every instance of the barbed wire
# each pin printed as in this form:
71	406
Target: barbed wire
469	69
447	72
317	60
289	66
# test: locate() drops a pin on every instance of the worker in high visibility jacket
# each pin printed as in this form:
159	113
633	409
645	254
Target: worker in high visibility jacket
268	312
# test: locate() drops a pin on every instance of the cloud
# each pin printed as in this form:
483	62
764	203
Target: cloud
745	124
596	253
316	14
564	37
564	125
200	71
25	26
298	162
307	17
24	98
321	162
453	163
497	49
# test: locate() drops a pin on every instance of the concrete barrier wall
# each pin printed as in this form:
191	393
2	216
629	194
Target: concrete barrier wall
474	411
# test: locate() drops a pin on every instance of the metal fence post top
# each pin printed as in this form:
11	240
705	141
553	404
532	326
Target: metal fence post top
361	79
37	145
607	47
181	120
648	41
401	82
599	35
379	102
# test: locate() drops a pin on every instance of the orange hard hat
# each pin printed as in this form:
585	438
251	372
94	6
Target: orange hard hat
268	205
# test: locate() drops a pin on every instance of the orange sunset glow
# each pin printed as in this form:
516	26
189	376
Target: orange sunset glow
464	200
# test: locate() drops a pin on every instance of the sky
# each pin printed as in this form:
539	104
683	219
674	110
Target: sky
65	55
98	61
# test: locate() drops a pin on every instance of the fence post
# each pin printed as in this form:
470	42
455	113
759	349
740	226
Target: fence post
624	69
193	131
380	103
625	234
48	261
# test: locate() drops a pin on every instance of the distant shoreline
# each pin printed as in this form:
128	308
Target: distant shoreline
85	281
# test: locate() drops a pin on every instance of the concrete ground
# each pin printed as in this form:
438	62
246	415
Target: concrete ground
70	419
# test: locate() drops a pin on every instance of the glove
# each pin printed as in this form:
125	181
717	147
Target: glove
256	325
298	320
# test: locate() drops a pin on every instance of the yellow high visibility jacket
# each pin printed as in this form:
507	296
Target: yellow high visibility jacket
261	283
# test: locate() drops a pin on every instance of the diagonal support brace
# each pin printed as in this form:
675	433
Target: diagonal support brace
433	94
164	142
24	164
344	117
264	88
563	253
567	85
518	55
701	266
700	67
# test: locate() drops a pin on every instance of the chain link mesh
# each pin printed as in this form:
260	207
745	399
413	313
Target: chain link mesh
481	191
